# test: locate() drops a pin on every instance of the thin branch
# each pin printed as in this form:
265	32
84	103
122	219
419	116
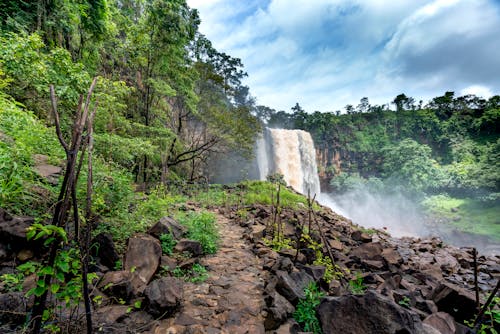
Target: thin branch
56	118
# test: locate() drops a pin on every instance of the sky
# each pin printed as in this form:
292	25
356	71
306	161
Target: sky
325	54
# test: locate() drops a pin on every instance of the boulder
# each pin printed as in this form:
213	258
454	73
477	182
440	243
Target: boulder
455	301
278	310
292	285
368	313
163	296
191	246
392	257
361	236
316	272
104	248
142	259
117	284
13	231
368	251
441	321
168	225
12	308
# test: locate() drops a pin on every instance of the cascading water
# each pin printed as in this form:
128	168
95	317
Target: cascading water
292	154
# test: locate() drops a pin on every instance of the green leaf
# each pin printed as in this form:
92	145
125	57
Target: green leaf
55	287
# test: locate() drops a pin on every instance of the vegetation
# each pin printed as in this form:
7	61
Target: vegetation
202	228
450	146
305	313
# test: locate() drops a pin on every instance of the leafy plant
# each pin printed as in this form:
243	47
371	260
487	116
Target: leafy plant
492	321
168	243
305	313
356	285
405	302
202	228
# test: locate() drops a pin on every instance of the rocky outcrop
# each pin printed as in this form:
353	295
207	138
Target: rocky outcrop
368	313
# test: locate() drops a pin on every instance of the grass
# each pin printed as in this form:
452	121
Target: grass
202	228
471	215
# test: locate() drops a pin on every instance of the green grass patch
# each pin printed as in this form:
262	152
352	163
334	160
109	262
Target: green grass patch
465	214
202	228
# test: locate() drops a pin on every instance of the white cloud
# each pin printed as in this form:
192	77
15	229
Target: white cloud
477	90
325	54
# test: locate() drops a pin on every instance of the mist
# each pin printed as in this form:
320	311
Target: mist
401	216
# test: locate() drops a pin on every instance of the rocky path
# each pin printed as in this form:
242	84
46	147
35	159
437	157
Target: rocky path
231	300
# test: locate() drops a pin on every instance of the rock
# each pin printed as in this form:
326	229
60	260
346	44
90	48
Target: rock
191	246
283	263
392	257
278	310
168	225
25	254
163	296
289	327
291	286
117	284
446	261
111	314
168	262
368	251
316	272
258	232
104	248
142	259
336	245
361	236
13	231
12	308
455	301
441	321
368	313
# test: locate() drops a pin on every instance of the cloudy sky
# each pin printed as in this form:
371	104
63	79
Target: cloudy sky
325	54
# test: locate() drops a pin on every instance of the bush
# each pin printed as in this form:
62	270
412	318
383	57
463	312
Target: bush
202	228
305	313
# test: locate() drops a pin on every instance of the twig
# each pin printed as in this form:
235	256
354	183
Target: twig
476	287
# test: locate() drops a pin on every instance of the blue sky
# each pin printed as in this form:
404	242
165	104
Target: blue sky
325	54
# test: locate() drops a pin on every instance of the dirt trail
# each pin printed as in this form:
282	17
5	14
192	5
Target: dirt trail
231	300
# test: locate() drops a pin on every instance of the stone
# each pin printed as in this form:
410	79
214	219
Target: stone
368	313
258	232
111	314
12	308
455	301
392	257
441	321
104	248
316	272
163	296
446	261
191	246
117	284
336	245
292	285
13	231
24	255
361	236
168	225
368	251
289	327
142	260
278	310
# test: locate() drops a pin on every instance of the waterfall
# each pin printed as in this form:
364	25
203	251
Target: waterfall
292	154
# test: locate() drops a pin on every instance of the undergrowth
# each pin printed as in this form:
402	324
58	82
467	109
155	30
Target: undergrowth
305	313
202	228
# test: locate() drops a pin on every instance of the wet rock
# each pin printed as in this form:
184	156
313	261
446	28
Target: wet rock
368	313
104	248
142	259
168	225
446	261
292	285
163	296
191	246
12	308
455	301
278	310
441	321
117	284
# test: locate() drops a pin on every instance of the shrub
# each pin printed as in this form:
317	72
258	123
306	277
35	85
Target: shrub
201	227
305	313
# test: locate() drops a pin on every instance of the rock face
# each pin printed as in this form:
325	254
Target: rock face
163	295
142	259
369	313
105	250
191	246
12	308
168	225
